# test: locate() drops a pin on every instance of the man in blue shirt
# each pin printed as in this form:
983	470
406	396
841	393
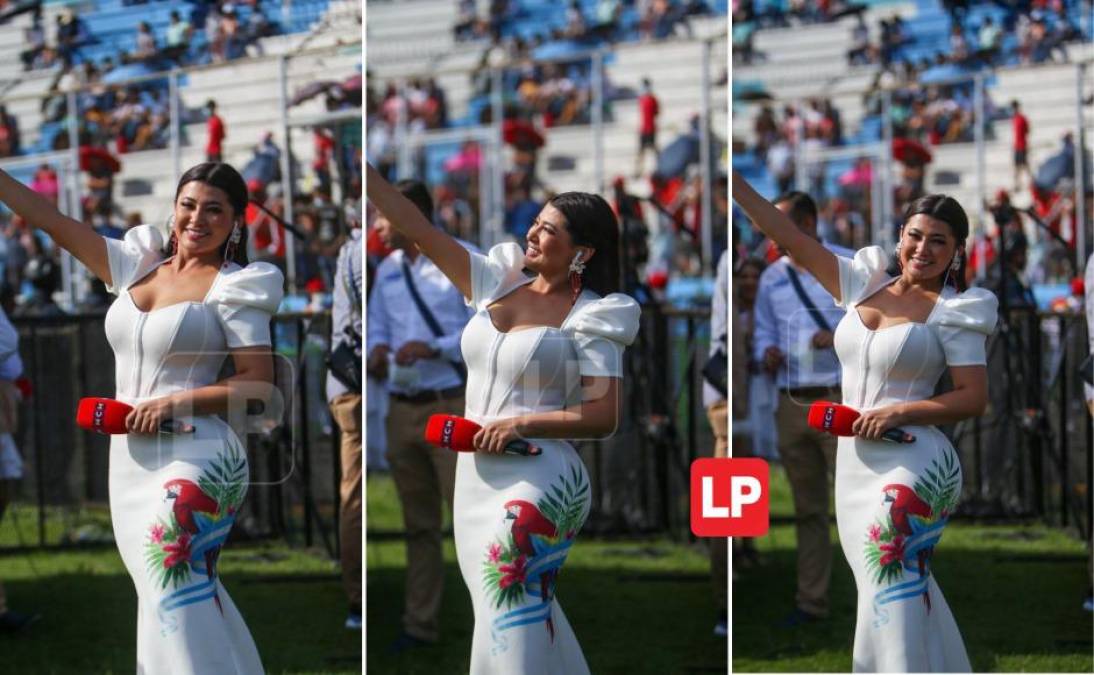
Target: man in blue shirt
415	320
795	319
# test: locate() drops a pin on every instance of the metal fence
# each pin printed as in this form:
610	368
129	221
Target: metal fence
640	476
294	464
1030	454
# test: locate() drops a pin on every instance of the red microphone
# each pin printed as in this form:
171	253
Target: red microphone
837	419
458	434
107	416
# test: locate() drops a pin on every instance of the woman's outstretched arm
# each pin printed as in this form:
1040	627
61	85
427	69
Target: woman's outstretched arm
73	236
445	252
805	250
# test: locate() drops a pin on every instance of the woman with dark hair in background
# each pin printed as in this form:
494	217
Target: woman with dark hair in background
544	362
905	326
187	299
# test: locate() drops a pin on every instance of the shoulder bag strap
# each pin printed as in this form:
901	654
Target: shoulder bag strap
818	318
430	320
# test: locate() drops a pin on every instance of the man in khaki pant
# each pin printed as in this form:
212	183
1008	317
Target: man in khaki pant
794	322
345	408
415	320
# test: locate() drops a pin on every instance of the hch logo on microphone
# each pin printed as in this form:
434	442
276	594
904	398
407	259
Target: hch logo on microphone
829	416
729	497
446	433
100	413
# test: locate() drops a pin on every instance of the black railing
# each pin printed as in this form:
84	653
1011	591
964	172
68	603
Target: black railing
1030	454
294	459
640	476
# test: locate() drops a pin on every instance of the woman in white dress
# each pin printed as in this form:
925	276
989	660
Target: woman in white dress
186	301
900	334
544	359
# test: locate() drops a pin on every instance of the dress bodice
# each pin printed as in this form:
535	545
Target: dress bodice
183	345
537	369
904	362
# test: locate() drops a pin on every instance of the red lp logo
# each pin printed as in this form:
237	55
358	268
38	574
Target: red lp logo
729	497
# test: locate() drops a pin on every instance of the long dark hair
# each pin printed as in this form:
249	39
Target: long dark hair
223	177
591	222
944	208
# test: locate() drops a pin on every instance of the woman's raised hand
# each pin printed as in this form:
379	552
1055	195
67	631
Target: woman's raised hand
75	237
803	248
445	252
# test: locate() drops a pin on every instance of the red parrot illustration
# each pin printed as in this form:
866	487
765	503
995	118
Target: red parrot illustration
190	499
905	502
527	520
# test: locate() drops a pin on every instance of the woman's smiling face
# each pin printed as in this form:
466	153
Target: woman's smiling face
550	245
203	219
927	248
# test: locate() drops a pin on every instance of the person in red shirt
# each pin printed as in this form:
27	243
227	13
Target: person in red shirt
1021	135
214	145
648	109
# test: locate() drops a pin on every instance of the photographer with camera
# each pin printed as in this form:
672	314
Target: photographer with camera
344	395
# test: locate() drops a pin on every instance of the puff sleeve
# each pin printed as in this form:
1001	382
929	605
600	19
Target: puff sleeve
496	271
963	325
601	329
245	300
858	275
132	257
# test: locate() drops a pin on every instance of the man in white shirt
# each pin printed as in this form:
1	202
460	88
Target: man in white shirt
793	341
415	320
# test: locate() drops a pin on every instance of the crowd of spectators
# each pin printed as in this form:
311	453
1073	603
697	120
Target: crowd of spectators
30	264
655	20
224	35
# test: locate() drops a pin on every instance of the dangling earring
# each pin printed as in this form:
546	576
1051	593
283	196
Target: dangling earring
233	241
577	268
955	264
172	243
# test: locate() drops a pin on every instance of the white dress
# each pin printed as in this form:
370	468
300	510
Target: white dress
173	499
516	517
893	500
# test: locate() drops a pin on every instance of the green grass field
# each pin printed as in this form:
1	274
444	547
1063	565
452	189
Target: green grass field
1016	592
637	606
291	599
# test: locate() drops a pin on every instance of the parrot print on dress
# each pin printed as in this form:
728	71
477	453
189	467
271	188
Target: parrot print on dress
522	566
904	537
196	509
